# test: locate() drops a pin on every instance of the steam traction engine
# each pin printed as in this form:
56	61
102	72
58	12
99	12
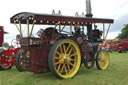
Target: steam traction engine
57	50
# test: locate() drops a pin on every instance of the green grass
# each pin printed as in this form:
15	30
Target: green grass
116	74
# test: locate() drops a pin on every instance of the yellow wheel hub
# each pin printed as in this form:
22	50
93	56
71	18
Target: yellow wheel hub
67	59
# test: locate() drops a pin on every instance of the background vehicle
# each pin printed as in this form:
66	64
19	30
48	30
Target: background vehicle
123	46
120	45
59	51
7	53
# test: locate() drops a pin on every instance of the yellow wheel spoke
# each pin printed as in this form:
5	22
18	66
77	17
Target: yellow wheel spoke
71	64
64	48
66	70
72	59
59	67
58	53
74	54
103	54
61	49
68	47
70	51
62	68
57	58
57	63
68	67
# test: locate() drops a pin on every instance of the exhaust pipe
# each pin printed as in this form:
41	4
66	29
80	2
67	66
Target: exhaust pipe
89	14
88	8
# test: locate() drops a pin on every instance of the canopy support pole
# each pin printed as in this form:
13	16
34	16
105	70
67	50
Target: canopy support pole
106	34
17	28
59	27
27	27
107	31
70	29
103	31
62	28
20	30
32	28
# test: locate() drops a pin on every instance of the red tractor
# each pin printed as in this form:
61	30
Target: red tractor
122	47
64	46
7	54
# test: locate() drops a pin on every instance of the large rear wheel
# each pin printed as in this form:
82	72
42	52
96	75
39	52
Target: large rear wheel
102	59
64	59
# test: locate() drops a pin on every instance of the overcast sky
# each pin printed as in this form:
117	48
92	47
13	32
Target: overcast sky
114	9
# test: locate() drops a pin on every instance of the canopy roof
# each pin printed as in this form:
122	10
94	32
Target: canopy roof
55	19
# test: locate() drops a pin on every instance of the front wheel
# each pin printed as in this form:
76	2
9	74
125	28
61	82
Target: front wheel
64	59
5	65
102	59
18	60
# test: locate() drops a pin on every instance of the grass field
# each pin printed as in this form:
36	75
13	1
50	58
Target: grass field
116	74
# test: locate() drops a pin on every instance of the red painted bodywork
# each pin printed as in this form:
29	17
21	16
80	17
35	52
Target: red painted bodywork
116	45
8	56
121	45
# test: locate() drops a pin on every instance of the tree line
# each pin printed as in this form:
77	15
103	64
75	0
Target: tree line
124	33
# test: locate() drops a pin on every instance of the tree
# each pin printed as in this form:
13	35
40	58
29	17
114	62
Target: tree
124	33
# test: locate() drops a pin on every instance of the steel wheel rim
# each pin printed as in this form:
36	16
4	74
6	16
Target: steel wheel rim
67	59
103	60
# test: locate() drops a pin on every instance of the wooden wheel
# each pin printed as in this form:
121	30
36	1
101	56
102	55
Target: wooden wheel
64	58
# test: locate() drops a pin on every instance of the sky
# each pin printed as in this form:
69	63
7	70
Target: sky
113	9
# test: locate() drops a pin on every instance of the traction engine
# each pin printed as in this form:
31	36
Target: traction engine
62	48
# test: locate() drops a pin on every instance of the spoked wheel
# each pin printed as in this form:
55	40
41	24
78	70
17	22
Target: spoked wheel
89	60
18	61
102	59
64	59
5	66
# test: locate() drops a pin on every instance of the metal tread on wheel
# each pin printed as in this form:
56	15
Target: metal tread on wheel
64	59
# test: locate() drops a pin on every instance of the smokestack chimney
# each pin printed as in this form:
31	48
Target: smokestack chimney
88	8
